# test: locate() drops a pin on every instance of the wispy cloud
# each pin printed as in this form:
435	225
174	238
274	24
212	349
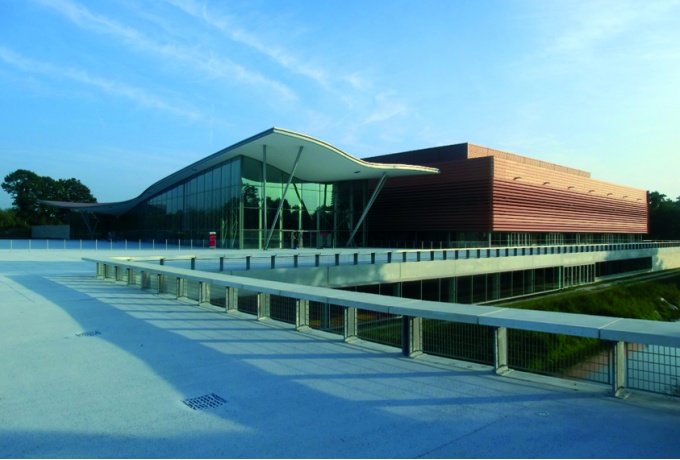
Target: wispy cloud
386	107
582	28
194	57
229	27
132	93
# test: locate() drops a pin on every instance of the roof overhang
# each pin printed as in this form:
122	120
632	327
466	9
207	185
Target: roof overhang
319	162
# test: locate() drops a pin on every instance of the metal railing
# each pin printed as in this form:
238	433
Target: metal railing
242	260
624	354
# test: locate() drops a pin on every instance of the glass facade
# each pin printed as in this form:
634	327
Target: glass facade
243	202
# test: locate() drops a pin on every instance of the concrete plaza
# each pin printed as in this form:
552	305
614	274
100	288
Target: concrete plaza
99	370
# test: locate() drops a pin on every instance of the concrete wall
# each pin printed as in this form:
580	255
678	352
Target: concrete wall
60	232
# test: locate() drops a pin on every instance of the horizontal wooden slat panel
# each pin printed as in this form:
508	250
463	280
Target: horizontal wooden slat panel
532	208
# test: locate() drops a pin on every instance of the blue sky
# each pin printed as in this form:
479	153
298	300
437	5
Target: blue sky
121	93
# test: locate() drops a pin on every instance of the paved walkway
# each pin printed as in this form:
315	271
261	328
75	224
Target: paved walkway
93	369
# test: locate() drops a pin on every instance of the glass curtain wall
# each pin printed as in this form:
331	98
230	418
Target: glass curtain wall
234	201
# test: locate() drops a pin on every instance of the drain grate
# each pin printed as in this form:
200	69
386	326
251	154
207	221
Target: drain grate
88	334
210	401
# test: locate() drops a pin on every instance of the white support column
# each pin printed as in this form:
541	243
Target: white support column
501	350
350	324
263	305
411	336
619	371
181	288
145	280
231	303
203	292
301	313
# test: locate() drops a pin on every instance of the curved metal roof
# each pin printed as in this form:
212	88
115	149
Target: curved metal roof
319	162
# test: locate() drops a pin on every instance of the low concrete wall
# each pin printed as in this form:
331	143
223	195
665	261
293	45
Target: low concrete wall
60	232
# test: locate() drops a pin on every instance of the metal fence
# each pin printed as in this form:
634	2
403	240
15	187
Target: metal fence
595	349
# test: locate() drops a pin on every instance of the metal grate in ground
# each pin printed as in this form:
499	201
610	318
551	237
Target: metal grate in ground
209	401
88	334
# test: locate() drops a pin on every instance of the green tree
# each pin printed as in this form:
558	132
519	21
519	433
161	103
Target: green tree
664	217
27	189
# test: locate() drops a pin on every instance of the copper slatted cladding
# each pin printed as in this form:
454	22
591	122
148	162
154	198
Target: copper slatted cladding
459	198
532	208
530	198
497	191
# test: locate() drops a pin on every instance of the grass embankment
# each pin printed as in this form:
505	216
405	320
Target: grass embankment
652	299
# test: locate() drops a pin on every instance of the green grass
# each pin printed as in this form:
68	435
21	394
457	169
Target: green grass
630	299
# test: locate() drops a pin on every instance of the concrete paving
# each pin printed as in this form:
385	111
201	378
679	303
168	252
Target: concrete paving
98	370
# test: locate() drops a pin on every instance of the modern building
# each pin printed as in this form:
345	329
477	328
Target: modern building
486	197
277	189
281	189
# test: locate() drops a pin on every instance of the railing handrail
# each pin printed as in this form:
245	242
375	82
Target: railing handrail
601	327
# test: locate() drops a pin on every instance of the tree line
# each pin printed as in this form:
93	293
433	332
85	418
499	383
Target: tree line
664	217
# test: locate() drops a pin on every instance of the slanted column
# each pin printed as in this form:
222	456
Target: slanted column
301	313
411	336
619	371
263	305
501	350
350	323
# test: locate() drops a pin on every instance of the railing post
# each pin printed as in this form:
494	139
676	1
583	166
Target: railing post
181	288
193	263
273	261
350	320
130	276
145	280
203	292
317	258
161	261
263	305
159	283
501	350
295	260
411	335
619	370
100	271
231	303
301	313
248	262
222	263
389	257
356	258
373	258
